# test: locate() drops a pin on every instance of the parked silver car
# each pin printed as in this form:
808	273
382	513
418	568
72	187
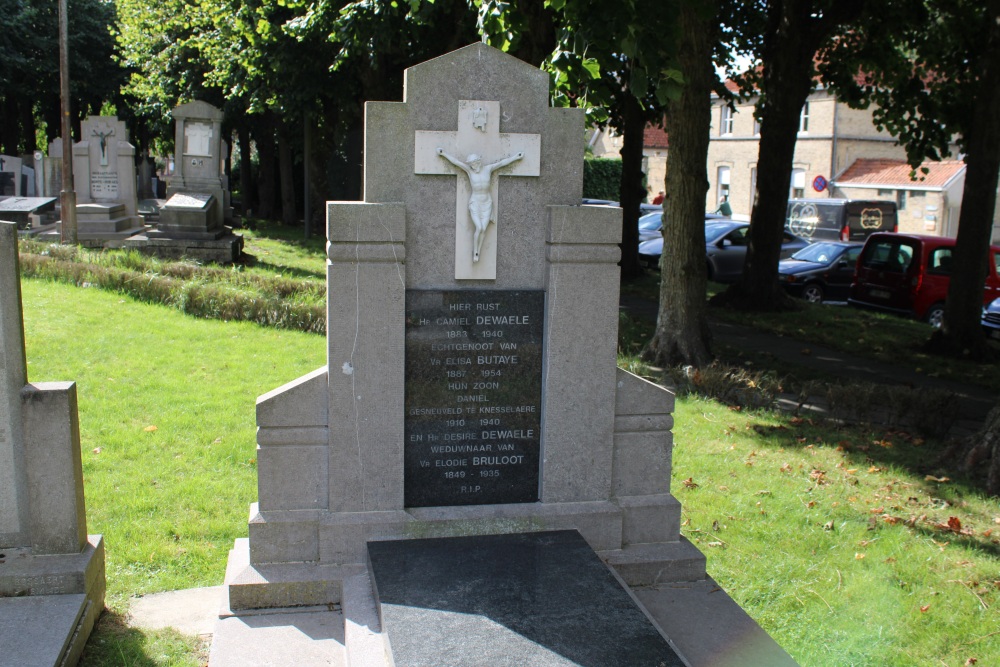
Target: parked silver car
725	249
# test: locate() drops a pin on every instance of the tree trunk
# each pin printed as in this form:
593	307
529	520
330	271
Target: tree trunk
631	191
787	80
961	333
247	190
266	176
982	451
285	168
682	335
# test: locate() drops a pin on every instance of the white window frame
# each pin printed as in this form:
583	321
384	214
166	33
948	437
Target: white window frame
804	119
722	180
726	121
798	184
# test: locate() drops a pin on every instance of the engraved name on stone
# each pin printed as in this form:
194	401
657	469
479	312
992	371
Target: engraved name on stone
473	397
103	184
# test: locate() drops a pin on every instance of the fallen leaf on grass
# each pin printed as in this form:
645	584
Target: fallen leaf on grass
925	608
97	450
828	525
932	478
955	524
970	661
149	429
715	544
859	556
690	483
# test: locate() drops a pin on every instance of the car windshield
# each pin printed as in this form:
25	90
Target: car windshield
819	253
650	222
716	230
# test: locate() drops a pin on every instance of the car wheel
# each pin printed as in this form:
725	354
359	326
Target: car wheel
935	316
813	293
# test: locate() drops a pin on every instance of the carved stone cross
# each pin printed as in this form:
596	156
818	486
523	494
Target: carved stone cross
478	135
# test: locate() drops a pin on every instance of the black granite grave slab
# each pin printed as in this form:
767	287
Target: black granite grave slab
540	599
473	396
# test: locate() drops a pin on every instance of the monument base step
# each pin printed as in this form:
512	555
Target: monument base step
281	585
49	604
650	564
223	250
25	574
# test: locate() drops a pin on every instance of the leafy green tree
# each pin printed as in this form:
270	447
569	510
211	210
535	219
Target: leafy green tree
932	68
611	59
29	76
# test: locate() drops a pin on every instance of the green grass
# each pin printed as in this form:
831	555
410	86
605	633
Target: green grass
834	538
166	405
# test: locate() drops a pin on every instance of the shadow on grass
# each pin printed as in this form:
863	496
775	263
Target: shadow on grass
113	642
938	481
249	260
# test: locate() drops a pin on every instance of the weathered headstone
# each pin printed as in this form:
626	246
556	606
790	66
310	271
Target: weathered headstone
31	214
464	395
104	180
51	571
192	221
10	176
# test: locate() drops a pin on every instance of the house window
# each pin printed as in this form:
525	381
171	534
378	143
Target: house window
900	199
723	189
756	127
753	188
804	118
726	127
798	184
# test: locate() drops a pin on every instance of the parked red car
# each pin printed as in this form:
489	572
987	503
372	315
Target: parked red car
909	274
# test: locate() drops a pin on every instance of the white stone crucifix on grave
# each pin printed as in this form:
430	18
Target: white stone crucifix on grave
477	153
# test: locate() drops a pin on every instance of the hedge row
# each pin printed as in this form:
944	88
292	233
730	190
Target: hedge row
196	290
602	178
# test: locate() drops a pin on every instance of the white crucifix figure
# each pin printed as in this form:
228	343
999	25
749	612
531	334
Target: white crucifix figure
477	155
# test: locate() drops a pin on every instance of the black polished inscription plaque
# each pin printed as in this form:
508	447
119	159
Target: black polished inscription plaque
473	396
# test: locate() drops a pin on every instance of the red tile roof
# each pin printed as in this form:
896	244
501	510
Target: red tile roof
655	137
897	172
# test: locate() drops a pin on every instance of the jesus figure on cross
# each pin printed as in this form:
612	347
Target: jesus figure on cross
481	199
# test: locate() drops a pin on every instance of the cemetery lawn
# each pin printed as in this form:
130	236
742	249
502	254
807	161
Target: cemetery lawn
840	541
166	404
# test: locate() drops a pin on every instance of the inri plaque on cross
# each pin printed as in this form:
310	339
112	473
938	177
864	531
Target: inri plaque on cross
477	153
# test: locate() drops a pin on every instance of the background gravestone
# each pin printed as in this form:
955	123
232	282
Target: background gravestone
51	572
10	176
104	180
191	223
344	453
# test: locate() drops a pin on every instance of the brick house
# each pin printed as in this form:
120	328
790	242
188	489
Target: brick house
843	146
605	143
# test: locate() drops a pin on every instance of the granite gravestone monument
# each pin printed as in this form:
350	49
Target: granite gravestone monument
470	444
51	572
456	405
191	222
104	179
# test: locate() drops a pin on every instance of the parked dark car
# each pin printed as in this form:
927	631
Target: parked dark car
822	271
909	274
725	249
991	319
840	219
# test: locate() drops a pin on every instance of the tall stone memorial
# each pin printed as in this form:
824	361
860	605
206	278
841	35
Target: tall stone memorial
471	388
51	572
192	221
104	180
